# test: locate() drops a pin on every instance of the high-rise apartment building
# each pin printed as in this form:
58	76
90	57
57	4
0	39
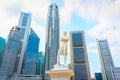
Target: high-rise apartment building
31	57
79	57
2	46
52	37
10	53
24	25
105	59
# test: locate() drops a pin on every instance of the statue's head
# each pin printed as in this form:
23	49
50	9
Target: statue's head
65	33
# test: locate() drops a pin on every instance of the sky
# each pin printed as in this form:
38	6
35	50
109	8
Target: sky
100	19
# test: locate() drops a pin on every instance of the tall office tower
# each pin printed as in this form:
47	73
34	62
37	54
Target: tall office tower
41	62
31	58
10	53
2	45
79	57
116	73
98	76
105	59
24	24
52	37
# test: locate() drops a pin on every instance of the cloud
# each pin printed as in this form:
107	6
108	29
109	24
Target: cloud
38	8
108	27
66	11
108	19
6	22
105	15
10	13
92	48
103	12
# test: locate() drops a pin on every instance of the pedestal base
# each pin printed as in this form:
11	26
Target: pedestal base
60	74
60	67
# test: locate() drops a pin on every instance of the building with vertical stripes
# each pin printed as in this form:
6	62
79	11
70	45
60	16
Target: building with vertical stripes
105	59
24	25
52	37
79	57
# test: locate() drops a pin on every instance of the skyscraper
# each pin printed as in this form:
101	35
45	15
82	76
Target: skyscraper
105	59
31	58
79	57
52	37
2	45
24	25
10	53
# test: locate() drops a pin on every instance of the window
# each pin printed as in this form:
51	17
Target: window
79	55
24	20
103	44
107	58
77	39
18	28
22	32
105	51
80	72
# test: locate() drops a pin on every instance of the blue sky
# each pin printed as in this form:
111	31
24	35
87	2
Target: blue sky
100	19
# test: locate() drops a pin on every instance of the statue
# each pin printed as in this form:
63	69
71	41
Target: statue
63	49
61	71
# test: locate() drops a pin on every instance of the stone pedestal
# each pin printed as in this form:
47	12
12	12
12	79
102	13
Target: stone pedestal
60	74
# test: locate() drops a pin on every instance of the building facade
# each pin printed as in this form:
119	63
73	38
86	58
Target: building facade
105	59
41	62
98	76
2	46
27	77
79	57
52	37
115	73
24	25
31	58
10	53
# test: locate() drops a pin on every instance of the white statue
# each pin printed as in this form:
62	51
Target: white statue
63	48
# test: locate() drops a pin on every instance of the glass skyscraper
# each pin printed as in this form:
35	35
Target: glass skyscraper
10	53
105	59
24	25
79	57
52	37
2	46
31	58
